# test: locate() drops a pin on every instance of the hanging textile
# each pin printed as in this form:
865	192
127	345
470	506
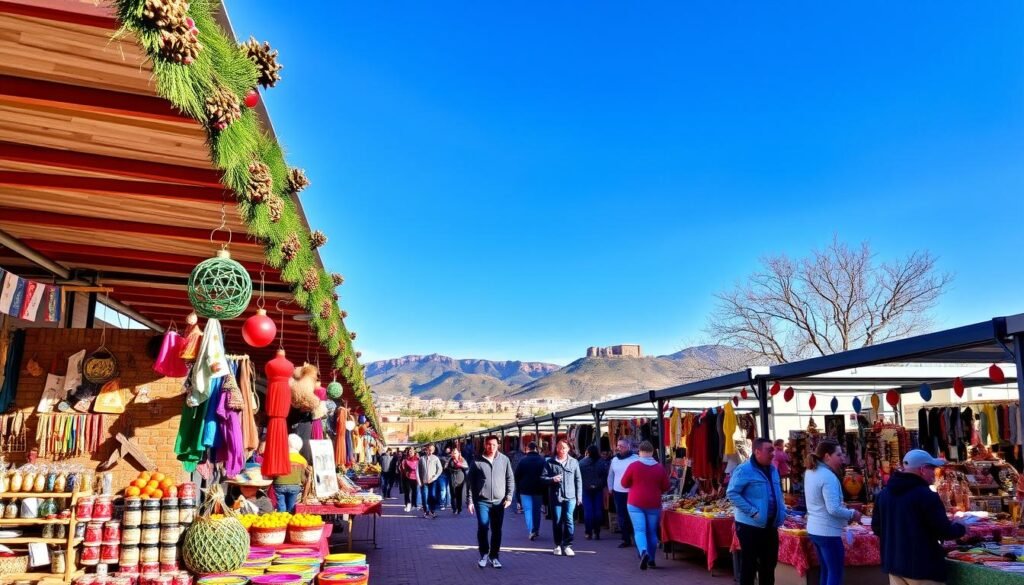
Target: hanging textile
69	435
729	429
250	432
12	368
279	399
211	363
188	445
341	446
230	451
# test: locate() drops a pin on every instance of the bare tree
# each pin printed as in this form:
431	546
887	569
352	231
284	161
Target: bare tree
834	300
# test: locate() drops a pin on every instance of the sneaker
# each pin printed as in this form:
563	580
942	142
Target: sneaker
567	551
558	551
533	536
426	514
408	507
483	562
651	565
496	563
645	561
433	515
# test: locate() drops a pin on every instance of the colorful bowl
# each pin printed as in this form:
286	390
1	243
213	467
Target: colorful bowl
222	580
278	579
247	572
298	550
346	559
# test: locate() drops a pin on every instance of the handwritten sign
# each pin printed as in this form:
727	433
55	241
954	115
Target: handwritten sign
325	474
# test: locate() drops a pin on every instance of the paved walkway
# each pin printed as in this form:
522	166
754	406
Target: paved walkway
417	551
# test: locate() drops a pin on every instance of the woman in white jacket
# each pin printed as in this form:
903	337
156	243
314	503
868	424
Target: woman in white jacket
827	516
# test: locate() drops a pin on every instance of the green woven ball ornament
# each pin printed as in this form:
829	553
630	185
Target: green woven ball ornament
334	390
219	287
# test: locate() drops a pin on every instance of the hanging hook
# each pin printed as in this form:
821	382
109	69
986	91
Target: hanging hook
223	226
280	343
261	302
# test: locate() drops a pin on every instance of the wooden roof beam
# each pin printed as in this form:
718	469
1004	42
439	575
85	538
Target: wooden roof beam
87	99
61	250
78	184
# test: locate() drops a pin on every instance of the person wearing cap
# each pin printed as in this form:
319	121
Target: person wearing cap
911	523
288	488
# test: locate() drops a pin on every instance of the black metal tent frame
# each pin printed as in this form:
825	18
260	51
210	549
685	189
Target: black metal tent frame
997	341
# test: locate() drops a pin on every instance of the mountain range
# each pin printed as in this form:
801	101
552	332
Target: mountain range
586	379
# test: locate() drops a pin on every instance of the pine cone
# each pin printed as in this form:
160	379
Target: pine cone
275	207
332	331
180	44
223	108
265	59
337	279
291	246
348	361
352	335
297	180
261	183
344	314
311	279
325	310
336	296
166	14
359	354
317	239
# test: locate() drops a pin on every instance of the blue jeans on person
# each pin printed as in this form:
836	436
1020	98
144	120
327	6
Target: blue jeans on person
645	529
625	526
531	511
593	510
443	497
831	556
428	497
287	497
489	516
564	517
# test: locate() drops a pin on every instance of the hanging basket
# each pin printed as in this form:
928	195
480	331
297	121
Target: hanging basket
100	366
219	287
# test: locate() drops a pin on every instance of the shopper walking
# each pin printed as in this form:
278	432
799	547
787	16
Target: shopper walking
410	468
624	457
646	480
756	493
444	499
491	485
827	516
911	523
429	474
531	488
387	473
456	470
594	471
562	475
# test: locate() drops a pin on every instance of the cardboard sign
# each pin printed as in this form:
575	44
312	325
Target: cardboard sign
325	474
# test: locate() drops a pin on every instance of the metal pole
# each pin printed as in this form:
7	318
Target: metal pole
762	406
661	431
1018	360
554	437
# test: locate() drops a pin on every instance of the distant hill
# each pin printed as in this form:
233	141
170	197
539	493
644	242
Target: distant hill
587	379
438	376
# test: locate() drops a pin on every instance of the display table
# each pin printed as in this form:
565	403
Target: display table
371	509
707	534
798	550
968	574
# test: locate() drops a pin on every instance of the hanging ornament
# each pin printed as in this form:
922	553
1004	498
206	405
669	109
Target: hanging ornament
775	389
995	373
743	394
297	180
265	59
892	397
259	330
813	401
252	98
335	389
958	387
876	402
834	404
788	394
736	400
926	392
856	404
219	287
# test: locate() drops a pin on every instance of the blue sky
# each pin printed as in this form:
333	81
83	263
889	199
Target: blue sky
521	180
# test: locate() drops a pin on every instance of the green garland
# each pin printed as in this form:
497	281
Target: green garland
221	63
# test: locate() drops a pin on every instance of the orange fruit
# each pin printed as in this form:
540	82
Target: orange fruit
153	484
157	494
148	491
172	492
165	484
144	497
144	475
139	483
158	476
132	492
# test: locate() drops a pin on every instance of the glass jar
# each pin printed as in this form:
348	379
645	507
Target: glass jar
58	564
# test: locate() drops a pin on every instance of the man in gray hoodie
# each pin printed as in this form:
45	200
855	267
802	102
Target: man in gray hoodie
491	486
428	472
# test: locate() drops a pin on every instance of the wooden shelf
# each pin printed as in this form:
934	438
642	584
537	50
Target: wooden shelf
33	521
31	539
52	577
11	495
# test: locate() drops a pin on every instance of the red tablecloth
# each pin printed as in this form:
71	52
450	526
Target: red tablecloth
332	510
707	534
989	529
798	551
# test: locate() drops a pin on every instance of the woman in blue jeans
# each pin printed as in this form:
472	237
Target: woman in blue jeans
646	480
595	477
827	516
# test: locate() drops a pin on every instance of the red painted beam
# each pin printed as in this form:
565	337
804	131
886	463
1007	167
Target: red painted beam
46	218
88	99
99	16
112	186
130	257
111	165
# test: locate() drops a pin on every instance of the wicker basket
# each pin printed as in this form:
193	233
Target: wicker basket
14	565
305	534
268	536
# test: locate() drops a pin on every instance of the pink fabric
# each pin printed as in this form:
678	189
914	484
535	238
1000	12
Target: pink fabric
320	392
169	362
707	534
646	483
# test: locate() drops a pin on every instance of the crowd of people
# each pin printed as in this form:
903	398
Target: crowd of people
909	518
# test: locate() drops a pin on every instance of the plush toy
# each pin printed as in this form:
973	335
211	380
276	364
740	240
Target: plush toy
304	398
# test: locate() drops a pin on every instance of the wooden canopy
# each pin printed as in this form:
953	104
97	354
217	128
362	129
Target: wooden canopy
102	176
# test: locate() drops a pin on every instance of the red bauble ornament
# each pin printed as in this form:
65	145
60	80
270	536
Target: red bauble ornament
252	98
958	387
789	394
996	374
813	401
775	389
736	400
743	394
259	330
892	397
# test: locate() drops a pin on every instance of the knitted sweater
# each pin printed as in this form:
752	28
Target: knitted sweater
646	480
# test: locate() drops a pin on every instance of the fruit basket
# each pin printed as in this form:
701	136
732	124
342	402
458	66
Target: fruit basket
268	536
305	529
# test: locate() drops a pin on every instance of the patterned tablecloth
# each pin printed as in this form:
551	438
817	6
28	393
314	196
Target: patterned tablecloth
967	574
707	534
798	551
332	510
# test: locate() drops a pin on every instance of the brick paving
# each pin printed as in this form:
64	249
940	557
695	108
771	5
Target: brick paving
417	551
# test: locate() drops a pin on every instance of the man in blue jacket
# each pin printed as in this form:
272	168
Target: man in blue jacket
911	523
756	492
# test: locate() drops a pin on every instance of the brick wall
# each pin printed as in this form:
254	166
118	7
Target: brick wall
155	423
